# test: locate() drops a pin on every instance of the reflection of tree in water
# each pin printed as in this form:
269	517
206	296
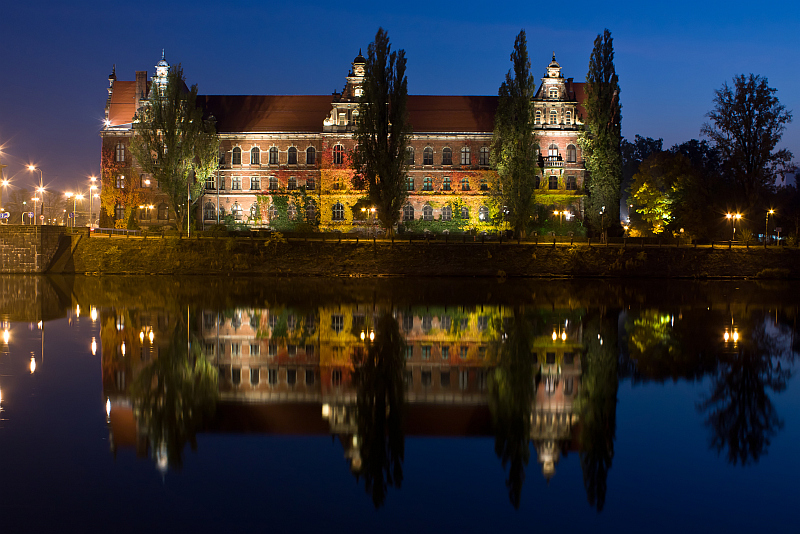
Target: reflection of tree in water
378	378
739	411
511	395
173	397
598	406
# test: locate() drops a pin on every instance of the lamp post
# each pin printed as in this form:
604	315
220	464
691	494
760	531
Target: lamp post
92	195
733	217
603	223
35	200
766	226
39	189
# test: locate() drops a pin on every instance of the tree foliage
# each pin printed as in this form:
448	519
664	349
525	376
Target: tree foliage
383	129
746	125
514	142
601	142
654	187
175	144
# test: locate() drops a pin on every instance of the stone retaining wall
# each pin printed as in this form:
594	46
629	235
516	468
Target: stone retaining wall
28	249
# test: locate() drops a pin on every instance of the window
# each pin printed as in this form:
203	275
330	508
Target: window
337	323
309	377
119	212
553	93
338	212
255	349
427	323
236	350
426	352
537	182
410	155
144	214
236	376
338	155
292	158
553	150
553	117
310	184
210	183
408	212
237	156
571	154
446	183
292	183
291	212
236	210
222	183
572	183
255	156
254	376
120	181
447	156
483	214
209	211
464	213
272	376
445	323
410	183
427	212
484	184
425	378
568	118
445	352
272	349
463	352
273	212
236	183
221	158
465	157
119	153
427	184
483	156
444	379
465	184
409	352
144	180
311	155
447	213
255	183
291	350
538	117
163	212
427	156
273	183
553	181
291	376
311	212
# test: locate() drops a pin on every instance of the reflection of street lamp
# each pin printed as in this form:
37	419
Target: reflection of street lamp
371	335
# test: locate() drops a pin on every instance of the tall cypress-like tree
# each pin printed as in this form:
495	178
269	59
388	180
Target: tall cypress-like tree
514	143
601	141
383	129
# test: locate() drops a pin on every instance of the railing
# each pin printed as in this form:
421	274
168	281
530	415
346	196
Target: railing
114	231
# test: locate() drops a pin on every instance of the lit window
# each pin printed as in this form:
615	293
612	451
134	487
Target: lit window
408	212
120	181
483	157
337	212
553	92
272	211
553	184
465	184
410	183
237	156
311	155
447	213
236	183
427	184
538	117
338	155
292	183
553	117
120	153
292	156
255	156
273	156
446	183
410	155
483	214
210	183
427	213
291	211
568	118
447	156
427	156
255	183
465	157
553	150
571	154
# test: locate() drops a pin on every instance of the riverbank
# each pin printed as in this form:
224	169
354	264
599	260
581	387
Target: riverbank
277	256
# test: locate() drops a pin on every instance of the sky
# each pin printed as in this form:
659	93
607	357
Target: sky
670	58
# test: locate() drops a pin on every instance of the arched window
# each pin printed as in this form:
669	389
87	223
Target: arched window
427	184
427	156
292	156
291	211
483	158
465	157
120	153
571	154
311	156
337	212
119	212
255	156
292	183
408	212
273	212
163	212
464	213
447	156
446	183
273	155
483	214
552	150
311	211
538	117
447	213
410	183
427	212
465	184
568	117
410	155
338	155
237	156
553	92
553	117
273	183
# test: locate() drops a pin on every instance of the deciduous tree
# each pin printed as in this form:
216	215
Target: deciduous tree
383	129
514	143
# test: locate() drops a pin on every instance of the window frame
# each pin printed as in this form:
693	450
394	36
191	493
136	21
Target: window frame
236	156
427	156
466	156
291	156
274	157
447	156
311	156
255	156
337	212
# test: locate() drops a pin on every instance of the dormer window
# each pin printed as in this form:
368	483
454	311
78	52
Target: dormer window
358	91
568	118
553	92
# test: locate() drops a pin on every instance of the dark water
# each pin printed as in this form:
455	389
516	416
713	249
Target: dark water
469	406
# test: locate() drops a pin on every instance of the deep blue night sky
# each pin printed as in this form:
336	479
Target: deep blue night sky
56	58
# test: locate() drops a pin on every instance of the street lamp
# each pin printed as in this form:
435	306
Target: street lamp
733	217
39	189
92	195
766	226
560	215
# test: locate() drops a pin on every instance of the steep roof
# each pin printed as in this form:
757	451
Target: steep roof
123	103
257	113
452	113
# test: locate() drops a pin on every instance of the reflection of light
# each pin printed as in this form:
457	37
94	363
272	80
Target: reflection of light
150	336
727	336
77	310
555	336
326	410
355	441
563	336
6	336
141	337
39	324
108	407
33	364
93	313
735	335
372	335
94	347
122	347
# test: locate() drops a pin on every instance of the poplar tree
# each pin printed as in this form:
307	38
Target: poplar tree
514	142
175	144
602	138
383	129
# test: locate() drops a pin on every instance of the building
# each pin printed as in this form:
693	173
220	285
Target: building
284	160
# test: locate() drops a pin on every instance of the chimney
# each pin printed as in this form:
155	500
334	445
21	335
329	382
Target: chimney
141	87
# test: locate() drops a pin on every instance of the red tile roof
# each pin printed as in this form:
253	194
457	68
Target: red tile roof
123	103
250	113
